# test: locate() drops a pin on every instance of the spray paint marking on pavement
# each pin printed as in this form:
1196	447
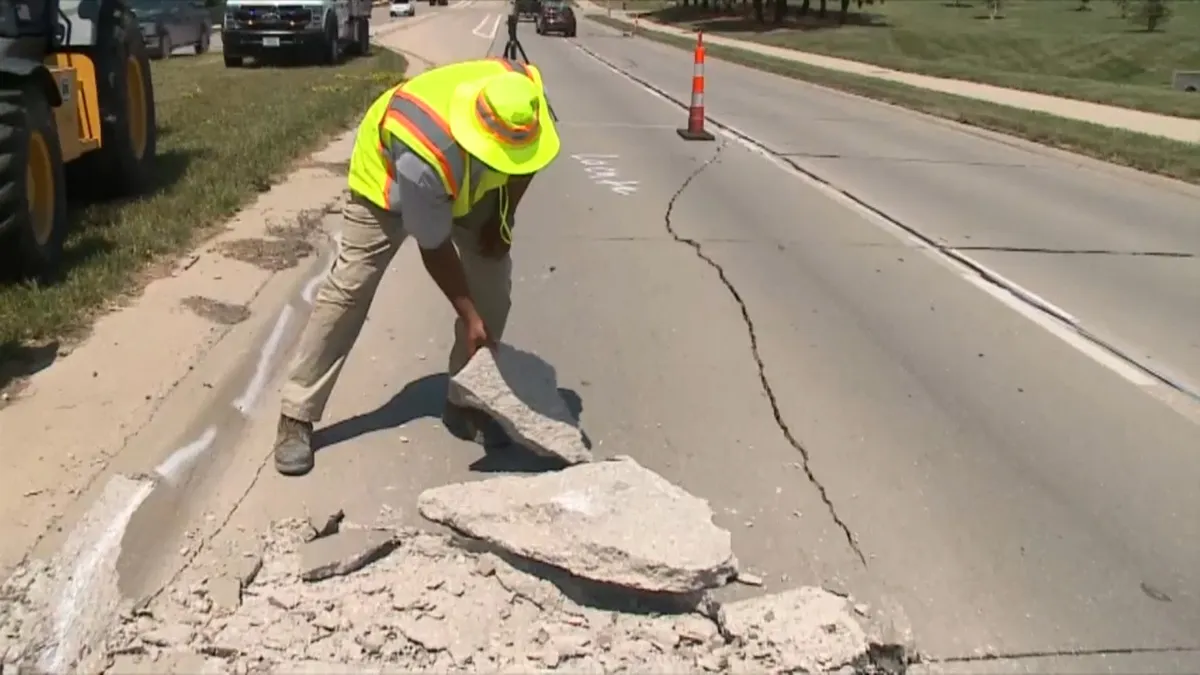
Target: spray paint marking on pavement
173	467
262	369
310	289
86	603
600	169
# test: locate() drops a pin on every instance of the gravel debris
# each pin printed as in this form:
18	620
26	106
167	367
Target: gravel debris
433	603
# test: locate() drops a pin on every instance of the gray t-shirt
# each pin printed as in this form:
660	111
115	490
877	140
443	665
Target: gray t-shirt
424	203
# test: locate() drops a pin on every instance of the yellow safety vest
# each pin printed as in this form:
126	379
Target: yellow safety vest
414	115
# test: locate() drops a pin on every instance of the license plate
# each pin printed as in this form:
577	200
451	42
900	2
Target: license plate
270	42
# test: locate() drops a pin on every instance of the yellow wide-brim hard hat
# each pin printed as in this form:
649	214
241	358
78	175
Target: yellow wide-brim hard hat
505	122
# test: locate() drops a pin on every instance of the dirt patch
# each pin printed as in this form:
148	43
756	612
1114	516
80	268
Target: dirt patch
286	247
216	311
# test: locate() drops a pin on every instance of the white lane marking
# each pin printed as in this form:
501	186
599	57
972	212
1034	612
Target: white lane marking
1044	314
310	289
254	389
81	608
173	466
491	33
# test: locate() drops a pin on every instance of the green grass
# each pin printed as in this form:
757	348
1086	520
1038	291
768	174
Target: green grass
1039	45
1147	153
224	135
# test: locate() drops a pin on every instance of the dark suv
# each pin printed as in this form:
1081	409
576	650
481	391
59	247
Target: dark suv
556	16
167	24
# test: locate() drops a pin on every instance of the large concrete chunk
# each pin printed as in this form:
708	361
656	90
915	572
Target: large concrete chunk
520	391
614	522
807	630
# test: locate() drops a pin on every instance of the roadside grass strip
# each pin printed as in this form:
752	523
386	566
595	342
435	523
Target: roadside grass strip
1069	48
224	136
1140	151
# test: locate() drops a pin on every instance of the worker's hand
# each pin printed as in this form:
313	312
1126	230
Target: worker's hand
477	337
491	244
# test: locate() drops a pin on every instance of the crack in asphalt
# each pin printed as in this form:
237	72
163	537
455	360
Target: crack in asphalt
1075	251
1053	653
698	248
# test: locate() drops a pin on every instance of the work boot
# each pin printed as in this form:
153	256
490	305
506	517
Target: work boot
474	426
293	447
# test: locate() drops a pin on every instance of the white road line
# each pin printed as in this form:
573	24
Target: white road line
491	33
1053	319
262	369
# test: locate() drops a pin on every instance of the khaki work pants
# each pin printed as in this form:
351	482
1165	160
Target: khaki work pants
370	238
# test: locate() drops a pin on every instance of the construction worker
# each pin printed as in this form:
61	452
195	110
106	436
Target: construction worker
446	158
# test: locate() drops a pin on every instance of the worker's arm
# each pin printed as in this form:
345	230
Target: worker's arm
491	243
425	208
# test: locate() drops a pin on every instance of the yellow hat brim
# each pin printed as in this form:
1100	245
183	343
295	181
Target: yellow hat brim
514	161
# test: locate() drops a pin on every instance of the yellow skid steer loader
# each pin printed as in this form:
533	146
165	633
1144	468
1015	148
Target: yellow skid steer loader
77	102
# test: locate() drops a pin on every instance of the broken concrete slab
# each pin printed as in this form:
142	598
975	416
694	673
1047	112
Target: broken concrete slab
343	553
591	520
806	629
225	593
520	391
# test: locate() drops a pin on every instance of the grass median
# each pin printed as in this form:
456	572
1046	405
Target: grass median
224	136
1090	50
1147	153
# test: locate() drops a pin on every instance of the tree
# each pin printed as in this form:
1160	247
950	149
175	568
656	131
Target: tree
1151	14
1084	6
1123	7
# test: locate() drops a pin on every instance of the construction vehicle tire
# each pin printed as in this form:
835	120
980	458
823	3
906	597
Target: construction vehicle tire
33	196
124	164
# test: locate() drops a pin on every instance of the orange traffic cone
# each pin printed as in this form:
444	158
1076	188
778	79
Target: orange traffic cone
695	125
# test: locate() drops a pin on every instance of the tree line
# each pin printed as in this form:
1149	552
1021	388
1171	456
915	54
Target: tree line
1150	14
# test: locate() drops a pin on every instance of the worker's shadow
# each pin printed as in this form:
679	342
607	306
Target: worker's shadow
425	397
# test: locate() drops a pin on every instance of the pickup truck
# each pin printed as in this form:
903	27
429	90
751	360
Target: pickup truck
321	30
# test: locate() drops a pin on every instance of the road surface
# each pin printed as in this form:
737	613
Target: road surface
843	326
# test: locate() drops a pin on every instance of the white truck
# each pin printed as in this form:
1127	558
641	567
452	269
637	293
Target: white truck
320	30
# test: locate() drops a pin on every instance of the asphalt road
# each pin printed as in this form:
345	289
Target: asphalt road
860	411
1013	494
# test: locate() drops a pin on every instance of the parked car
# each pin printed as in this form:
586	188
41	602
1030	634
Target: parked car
402	8
556	16
438	2
167	24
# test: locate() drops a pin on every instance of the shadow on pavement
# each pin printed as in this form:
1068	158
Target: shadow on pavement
425	397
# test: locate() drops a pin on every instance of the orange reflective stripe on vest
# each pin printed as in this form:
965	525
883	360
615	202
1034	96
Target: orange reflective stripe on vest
433	132
515	66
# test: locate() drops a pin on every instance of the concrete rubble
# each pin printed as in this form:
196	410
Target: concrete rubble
520	391
436	604
612	522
